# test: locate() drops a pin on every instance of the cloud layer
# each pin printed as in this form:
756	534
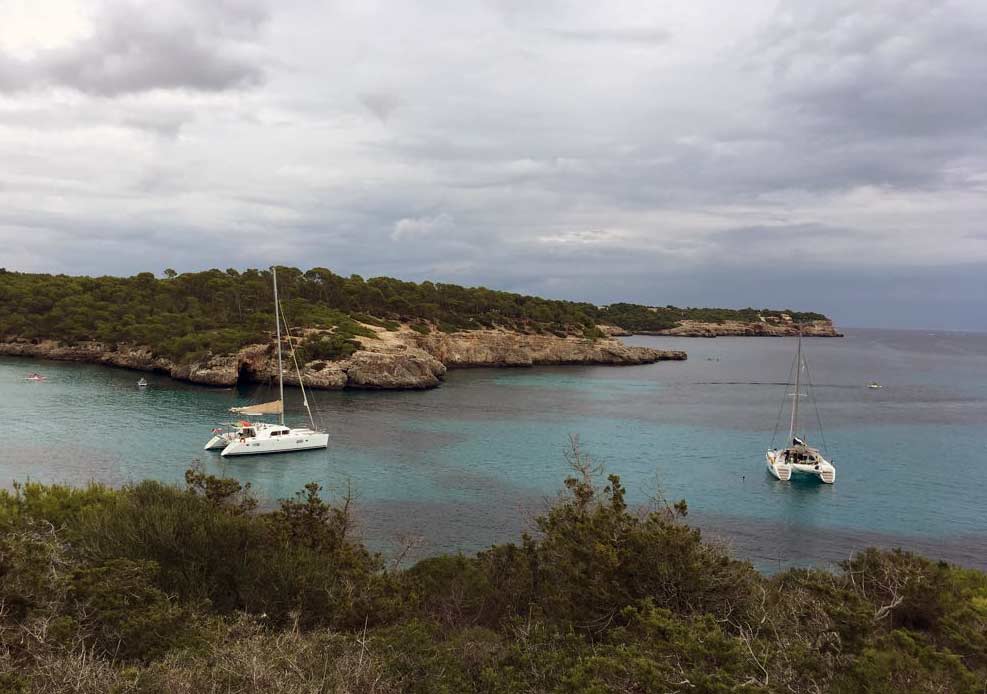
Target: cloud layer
134	48
678	152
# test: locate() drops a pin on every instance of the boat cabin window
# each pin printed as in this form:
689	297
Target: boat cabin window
275	433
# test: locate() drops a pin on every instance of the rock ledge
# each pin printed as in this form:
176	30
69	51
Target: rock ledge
401	359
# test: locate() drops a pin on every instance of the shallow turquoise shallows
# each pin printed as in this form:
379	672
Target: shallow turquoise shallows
473	462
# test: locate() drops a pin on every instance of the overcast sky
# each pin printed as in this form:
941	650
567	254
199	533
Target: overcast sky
823	156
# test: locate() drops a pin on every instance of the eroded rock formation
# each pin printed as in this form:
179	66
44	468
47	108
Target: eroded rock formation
401	359
762	328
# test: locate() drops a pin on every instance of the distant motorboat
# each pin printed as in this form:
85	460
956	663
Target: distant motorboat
36	377
874	385
798	456
142	383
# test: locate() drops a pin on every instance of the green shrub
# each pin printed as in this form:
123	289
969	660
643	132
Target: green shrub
123	613
57	504
155	588
209	549
327	347
903	661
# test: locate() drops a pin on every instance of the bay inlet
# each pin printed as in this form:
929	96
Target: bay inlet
470	463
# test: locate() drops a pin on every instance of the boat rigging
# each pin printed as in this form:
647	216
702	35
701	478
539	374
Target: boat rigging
256	438
798	457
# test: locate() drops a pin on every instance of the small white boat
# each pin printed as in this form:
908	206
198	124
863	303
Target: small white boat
798	456
142	383
255	438
35	377
874	385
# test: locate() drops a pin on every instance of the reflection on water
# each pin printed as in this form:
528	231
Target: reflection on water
470	463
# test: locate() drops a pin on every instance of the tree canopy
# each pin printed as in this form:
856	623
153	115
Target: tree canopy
186	316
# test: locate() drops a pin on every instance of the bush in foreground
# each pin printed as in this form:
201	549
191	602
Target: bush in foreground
153	588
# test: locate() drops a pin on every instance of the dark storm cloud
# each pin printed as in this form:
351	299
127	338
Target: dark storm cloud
136	48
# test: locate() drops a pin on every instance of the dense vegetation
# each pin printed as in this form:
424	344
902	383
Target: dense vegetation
153	588
635	317
187	316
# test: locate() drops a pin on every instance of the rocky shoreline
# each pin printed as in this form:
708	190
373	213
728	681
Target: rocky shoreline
687	328
399	359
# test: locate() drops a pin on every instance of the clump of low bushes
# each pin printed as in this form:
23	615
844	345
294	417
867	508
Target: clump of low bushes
158	588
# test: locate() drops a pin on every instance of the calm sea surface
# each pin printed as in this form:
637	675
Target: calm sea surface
470	463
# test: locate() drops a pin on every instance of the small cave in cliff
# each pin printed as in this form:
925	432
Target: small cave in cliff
245	373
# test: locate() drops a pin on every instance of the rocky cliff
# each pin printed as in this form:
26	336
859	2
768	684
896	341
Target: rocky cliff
399	359
507	348
761	328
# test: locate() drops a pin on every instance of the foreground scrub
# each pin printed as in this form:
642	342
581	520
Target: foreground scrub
153	587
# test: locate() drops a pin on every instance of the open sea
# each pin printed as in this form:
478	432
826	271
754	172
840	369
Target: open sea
473	462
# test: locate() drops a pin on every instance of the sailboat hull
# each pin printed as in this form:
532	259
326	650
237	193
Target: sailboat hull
777	468
824	471
219	441
285	444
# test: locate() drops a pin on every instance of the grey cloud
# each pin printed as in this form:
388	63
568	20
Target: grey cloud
203	47
163	117
745	236
887	67
164	122
381	104
632	35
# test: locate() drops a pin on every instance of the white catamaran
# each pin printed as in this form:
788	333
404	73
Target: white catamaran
798	456
255	438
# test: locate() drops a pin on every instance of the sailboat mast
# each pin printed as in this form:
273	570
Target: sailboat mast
793	426
277	323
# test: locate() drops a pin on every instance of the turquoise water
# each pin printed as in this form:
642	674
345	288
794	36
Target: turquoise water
472	462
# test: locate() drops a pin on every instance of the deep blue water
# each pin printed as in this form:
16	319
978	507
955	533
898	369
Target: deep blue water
472	462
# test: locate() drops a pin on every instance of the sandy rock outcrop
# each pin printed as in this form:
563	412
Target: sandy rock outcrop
613	331
690	328
402	370
507	348
400	359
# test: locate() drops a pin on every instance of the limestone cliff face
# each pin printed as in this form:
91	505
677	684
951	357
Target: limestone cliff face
216	371
507	348
783	328
613	331
401	359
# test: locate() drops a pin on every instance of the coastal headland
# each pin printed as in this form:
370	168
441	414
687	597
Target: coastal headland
390	359
761	327
216	327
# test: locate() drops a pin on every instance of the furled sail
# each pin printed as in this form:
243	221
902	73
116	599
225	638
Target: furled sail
273	407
